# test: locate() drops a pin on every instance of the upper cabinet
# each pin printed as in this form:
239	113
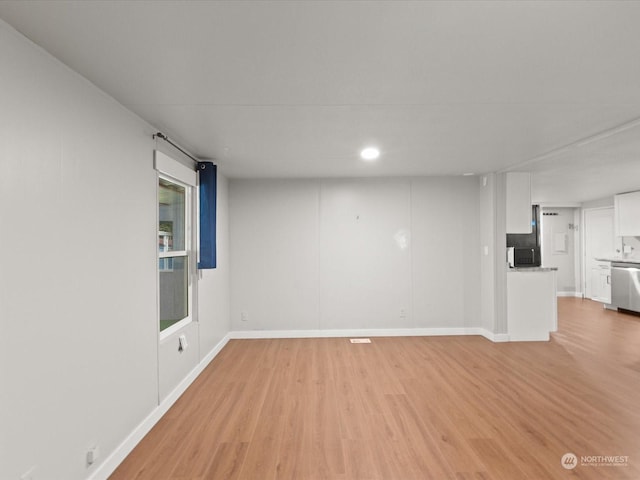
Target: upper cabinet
627	214
518	199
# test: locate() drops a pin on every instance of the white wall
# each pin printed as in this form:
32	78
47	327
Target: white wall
500	247
274	254
487	216
78	306
634	244
353	254
446	258
598	203
365	260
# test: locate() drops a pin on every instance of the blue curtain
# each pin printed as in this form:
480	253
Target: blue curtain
208	173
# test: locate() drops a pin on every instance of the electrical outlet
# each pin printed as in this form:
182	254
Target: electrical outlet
244	317
182	343
92	455
403	313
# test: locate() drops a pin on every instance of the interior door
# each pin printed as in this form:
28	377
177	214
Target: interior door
599	241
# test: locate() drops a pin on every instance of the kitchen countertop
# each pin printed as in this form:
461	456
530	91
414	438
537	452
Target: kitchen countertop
618	259
532	269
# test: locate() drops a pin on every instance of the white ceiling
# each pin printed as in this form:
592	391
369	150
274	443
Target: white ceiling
295	89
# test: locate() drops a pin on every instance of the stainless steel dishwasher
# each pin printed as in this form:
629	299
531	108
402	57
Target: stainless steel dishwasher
625	285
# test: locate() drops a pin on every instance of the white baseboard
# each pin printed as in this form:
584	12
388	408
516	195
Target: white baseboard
530	338
368	332
495	337
106	468
569	294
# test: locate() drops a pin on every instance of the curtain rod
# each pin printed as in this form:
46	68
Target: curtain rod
168	140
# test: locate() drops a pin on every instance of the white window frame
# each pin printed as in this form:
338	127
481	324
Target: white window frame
173	171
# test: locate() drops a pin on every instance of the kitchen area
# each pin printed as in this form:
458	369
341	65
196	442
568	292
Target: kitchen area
531	298
590	251
618	284
596	249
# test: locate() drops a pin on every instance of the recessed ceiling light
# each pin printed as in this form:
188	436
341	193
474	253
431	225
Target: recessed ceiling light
370	153
468	174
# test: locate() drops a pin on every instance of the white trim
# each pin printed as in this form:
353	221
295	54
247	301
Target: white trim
560	205
171	329
569	294
495	337
366	332
106	468
168	166
542	337
173	254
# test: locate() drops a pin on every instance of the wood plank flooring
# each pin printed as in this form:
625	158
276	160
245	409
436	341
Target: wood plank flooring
407	408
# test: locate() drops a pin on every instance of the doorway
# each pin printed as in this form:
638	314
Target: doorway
558	247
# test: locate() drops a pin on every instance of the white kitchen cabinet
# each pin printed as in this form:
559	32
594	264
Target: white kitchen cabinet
532	308
627	214
601	282
518	202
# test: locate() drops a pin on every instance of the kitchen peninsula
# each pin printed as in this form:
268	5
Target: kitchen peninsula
532	308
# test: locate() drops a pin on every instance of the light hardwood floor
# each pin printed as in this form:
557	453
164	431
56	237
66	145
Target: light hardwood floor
409	408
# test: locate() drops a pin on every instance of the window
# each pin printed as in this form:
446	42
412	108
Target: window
176	256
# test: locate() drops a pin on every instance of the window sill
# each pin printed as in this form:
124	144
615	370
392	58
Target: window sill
176	327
